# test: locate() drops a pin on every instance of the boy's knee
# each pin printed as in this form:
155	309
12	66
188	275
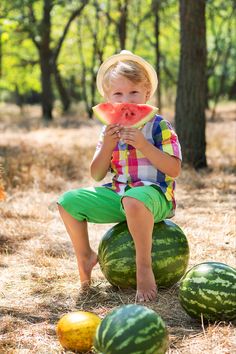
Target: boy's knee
60	208
68	197
132	205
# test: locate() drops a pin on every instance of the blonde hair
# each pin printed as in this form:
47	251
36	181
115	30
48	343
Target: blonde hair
129	69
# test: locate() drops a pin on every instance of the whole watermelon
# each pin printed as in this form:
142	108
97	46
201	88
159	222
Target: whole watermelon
209	290
170	255
131	329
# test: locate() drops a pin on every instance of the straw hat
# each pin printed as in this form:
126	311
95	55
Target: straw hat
126	55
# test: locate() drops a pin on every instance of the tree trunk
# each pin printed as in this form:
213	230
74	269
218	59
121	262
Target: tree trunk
0	53
65	99
18	98
83	74
47	96
156	10
190	103
232	91
45	55
122	24
64	95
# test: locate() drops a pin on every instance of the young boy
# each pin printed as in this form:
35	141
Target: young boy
144	162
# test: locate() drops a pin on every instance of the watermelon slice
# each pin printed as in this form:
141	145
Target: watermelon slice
126	114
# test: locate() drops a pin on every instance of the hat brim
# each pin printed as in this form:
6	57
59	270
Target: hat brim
127	56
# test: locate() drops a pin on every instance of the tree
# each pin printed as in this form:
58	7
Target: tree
56	51
155	17
156	10
148	28
121	21
191	88
34	18
95	27
221	49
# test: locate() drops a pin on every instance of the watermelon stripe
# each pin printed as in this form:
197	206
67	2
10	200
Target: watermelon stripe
209	288
124	331
105	330
228	275
211	300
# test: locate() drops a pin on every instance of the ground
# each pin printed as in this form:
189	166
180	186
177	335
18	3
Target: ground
38	273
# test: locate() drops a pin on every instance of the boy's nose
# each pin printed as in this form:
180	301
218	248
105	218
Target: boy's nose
124	98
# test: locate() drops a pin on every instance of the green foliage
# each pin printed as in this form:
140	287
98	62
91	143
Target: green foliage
95	35
221	38
19	60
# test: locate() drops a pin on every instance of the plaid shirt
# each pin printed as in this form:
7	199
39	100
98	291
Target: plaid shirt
131	168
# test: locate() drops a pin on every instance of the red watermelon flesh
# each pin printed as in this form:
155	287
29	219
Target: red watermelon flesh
126	114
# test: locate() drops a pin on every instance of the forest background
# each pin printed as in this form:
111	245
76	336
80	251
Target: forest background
50	51
57	47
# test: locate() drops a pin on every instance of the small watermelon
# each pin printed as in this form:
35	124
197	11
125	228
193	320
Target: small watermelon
209	290
126	114
131	329
76	330
170	254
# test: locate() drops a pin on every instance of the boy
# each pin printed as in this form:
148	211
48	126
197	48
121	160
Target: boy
144	163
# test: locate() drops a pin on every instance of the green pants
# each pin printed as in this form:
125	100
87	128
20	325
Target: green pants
102	205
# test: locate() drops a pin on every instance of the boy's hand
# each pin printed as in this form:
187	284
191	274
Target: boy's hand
134	137
112	135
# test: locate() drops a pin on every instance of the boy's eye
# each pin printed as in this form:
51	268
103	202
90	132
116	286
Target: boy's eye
134	92
117	93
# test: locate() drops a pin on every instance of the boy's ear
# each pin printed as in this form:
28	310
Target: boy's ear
105	96
148	95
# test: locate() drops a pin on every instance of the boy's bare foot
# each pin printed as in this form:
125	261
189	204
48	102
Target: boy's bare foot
85	269
146	285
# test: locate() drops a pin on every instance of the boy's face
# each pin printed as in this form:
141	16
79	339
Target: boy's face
122	90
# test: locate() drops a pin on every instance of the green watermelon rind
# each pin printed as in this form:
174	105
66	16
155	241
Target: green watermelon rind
100	115
211	297
118	265
132	329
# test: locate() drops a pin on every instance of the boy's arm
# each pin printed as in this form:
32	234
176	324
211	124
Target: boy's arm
102	158
170	165
100	163
162	161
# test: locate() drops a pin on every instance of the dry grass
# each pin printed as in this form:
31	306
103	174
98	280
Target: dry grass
39	280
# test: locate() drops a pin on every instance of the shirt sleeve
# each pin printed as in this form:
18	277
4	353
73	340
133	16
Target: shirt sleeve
100	139
166	139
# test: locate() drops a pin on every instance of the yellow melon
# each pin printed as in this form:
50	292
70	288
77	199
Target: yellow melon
76	330
2	194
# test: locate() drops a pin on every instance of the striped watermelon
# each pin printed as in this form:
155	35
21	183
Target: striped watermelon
209	289
170	254
131	329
